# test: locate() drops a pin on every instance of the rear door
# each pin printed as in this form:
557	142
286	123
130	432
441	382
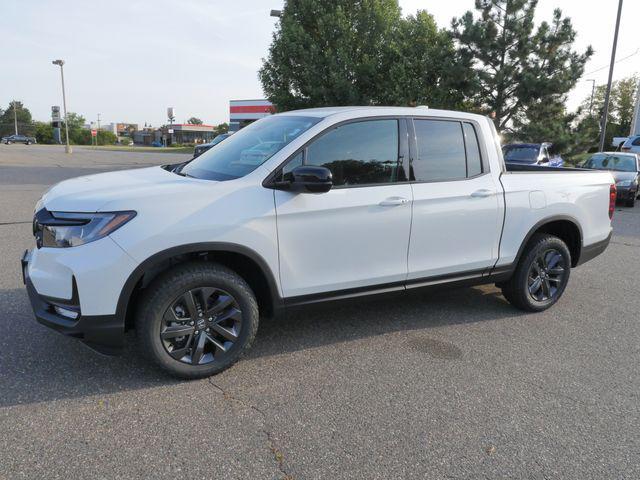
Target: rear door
357	234
456	217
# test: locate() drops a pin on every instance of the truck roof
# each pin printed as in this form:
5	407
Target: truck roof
324	112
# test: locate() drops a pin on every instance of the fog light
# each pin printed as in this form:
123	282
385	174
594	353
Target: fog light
64	312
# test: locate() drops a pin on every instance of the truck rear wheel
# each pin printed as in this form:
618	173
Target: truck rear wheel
197	319
541	276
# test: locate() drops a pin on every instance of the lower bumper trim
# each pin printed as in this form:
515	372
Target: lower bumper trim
590	252
102	333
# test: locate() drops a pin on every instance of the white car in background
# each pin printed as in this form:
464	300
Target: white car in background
631	145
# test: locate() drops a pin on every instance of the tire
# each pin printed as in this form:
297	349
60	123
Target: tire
631	202
200	350
27	143
537	263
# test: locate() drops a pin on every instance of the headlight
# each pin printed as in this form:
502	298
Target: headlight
60	229
624	183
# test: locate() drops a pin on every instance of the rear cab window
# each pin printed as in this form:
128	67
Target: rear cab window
447	150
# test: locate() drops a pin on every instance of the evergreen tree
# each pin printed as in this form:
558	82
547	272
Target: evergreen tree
7	121
519	68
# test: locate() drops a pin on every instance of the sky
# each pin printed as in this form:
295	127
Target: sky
128	60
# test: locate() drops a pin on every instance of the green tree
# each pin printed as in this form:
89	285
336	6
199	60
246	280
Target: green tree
194	121
621	108
25	122
44	132
518	67
106	138
222	128
363	52
425	68
624	101
77	133
548	122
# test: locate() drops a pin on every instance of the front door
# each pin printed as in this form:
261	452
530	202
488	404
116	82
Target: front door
357	234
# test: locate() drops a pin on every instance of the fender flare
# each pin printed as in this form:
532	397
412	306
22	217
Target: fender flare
542	223
163	255
554	218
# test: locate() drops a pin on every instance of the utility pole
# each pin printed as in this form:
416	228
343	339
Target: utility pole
98	131
605	114
593	91
60	63
635	121
15	117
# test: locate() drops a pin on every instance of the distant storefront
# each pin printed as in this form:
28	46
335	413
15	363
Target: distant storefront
187	133
175	134
244	112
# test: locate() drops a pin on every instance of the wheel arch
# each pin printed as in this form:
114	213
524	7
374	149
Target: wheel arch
565	227
244	261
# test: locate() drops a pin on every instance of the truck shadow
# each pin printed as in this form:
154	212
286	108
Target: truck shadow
39	365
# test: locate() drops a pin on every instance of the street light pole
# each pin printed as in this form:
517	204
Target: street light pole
60	63
15	118
605	114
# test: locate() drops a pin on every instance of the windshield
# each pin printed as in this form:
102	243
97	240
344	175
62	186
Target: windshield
218	139
520	153
246	150
618	163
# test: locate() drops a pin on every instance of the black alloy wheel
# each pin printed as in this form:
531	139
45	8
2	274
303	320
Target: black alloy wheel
546	275
541	276
201	325
196	319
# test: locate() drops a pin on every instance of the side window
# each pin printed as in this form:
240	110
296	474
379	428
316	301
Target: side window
474	159
441	154
636	142
358	153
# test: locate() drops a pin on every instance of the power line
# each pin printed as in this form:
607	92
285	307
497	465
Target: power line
617	61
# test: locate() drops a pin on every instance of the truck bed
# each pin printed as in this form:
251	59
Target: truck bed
523	167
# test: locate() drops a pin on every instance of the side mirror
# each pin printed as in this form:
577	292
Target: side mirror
310	179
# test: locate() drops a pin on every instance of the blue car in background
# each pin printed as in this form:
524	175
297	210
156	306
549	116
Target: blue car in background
532	154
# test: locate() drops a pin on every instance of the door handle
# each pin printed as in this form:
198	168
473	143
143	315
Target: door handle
393	202
482	193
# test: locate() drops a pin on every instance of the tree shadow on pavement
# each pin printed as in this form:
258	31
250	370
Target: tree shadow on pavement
39	365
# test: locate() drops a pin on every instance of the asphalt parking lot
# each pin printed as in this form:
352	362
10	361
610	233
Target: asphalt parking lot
454	384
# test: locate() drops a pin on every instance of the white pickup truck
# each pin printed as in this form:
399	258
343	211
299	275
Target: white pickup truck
302	207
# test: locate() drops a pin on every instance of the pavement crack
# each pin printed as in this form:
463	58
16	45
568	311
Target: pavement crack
13	223
278	456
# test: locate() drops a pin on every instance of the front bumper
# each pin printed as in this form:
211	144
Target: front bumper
103	333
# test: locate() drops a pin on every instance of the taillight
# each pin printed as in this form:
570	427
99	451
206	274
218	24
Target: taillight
612	199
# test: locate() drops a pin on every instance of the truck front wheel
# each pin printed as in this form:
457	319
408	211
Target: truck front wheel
197	319
541	276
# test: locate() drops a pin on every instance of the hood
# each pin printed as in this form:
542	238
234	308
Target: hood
620	176
93	192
